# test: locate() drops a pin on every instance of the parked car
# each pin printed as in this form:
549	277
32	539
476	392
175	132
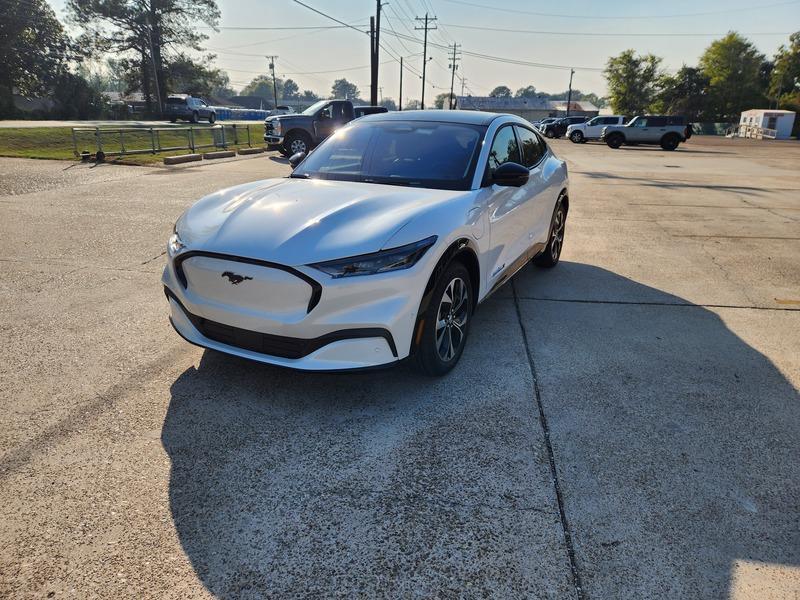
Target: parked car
377	247
188	108
290	134
559	127
579	133
362	111
666	131
281	109
542	122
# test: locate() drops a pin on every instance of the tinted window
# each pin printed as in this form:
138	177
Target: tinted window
532	147
656	121
610	120
504	148
415	153
176	100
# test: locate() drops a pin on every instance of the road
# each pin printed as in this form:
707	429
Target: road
622	426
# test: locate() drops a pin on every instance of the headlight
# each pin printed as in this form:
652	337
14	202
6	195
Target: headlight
384	261
276	127
175	244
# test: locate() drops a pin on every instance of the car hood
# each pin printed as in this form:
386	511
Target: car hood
301	221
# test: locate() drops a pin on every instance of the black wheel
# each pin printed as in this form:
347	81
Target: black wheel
296	141
576	137
173	119
100	156
670	141
549	133
445	322
615	140
195	116
212	118
552	252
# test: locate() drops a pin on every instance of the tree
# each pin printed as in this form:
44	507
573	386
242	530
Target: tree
526	92
733	67
501	91
291	90
146	33
684	93
412	105
440	99
388	103
197	79
34	50
345	90
310	96
261	87
784	86
632	82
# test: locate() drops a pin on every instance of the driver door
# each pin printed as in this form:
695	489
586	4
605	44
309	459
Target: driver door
510	210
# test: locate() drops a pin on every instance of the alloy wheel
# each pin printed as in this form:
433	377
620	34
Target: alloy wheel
451	319
297	145
557	235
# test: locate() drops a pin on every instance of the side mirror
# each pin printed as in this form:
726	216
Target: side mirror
511	174
296	159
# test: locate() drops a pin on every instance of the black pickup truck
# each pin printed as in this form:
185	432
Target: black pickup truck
290	134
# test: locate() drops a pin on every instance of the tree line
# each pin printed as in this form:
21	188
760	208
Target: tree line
730	77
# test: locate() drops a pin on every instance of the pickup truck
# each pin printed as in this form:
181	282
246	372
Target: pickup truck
591	130
188	108
665	131
559	127
301	132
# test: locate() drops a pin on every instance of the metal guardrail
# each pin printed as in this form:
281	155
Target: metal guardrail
111	141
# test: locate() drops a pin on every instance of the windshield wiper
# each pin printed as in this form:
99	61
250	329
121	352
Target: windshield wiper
389	181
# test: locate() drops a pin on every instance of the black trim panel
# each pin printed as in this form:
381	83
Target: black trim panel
276	345
316	288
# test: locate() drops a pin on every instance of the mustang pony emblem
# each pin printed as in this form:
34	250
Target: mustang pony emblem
234	278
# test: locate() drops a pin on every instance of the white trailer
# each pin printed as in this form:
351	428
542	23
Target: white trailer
766	123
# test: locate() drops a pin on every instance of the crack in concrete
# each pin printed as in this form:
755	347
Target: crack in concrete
654	303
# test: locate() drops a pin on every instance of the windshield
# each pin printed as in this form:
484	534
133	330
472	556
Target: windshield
415	153
314	107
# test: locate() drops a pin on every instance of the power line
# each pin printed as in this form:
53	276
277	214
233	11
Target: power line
627	17
237	28
599	34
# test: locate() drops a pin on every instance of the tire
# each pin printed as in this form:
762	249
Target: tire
548	258
445	328
576	137
670	141
212	118
195	117
296	141
615	140
173	119
549	133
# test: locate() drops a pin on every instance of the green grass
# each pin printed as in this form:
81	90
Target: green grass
56	143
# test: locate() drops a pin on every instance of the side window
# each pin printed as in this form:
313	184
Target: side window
325	113
610	121
656	122
532	147
641	123
504	148
337	111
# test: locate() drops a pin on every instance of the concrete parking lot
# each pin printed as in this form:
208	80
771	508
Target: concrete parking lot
623	426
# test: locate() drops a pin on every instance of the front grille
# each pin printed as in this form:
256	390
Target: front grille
275	345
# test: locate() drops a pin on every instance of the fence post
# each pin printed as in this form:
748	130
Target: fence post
158	139
98	139
122	141
224	145
74	143
248	137
235	135
191	138
152	140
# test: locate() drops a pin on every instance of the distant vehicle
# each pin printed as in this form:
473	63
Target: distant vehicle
367	253
559	127
280	110
301	132
361	111
188	108
542	122
665	131
591	129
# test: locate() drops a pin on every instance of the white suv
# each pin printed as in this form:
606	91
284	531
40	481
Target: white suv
591	129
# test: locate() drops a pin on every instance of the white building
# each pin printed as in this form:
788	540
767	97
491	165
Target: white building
754	122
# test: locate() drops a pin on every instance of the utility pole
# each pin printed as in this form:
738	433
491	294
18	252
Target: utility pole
453	67
425	51
274	85
463	84
400	101
569	95
375	37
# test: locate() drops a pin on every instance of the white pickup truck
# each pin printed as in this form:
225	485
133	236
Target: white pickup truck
591	129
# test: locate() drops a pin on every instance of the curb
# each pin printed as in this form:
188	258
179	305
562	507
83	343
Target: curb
181	158
219	154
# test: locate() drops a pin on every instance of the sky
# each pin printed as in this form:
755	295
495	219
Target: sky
565	36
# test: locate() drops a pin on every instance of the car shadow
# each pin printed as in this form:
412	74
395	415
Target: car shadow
675	441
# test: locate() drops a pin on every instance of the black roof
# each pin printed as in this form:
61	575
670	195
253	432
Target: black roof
470	117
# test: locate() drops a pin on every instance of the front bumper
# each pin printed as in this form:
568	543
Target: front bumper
358	322
275	140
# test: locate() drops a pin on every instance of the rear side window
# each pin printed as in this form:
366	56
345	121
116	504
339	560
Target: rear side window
610	120
504	148
656	121
176	101
533	147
